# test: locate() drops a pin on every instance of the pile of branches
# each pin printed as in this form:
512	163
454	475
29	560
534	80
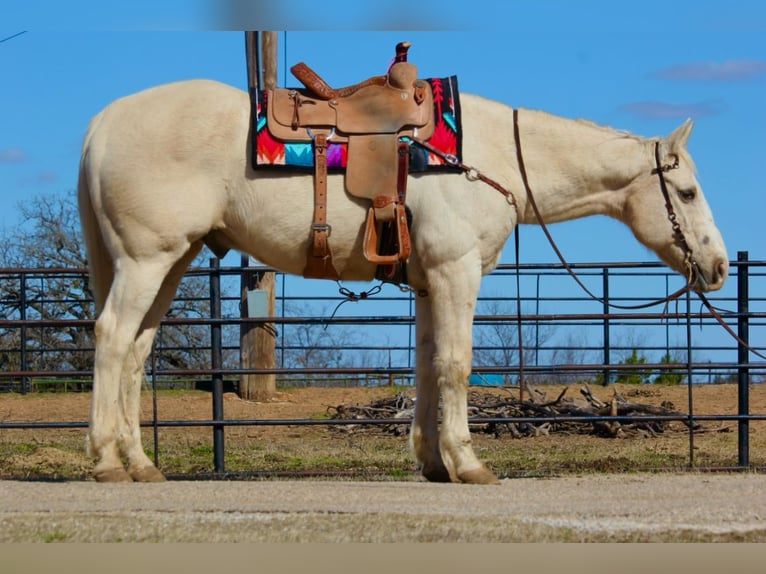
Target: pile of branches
487	410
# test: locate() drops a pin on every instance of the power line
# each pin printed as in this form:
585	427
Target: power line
16	35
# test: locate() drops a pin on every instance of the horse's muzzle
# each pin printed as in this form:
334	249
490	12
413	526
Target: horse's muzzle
716	278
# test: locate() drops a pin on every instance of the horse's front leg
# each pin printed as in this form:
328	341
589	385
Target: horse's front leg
444	324
424	436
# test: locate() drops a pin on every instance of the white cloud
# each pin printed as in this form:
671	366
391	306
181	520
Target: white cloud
660	110
13	155
726	71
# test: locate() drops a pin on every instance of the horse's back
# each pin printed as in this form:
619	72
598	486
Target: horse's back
170	118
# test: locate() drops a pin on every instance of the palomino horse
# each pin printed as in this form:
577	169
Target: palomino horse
166	170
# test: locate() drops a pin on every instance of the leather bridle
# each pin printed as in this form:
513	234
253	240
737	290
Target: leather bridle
693	272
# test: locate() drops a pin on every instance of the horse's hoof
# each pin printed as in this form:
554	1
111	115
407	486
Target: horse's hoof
112	475
478	476
436	473
147	474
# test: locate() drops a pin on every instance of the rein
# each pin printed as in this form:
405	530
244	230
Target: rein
691	264
474	174
659	170
728	329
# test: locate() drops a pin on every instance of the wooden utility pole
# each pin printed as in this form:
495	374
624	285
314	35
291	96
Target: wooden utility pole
269	60
257	340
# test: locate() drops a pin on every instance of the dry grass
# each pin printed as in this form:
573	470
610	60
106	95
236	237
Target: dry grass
271	450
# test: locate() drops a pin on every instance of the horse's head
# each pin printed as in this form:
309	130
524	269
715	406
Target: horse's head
668	213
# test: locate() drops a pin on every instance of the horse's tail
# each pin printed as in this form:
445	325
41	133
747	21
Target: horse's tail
100	263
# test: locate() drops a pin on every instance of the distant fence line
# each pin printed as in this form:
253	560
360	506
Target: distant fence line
323	339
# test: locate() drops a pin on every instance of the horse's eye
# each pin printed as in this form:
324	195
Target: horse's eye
687	194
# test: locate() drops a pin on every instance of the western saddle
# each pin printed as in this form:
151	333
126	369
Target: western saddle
373	118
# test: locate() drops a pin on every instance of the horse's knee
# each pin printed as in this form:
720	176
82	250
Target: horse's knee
451	373
104	326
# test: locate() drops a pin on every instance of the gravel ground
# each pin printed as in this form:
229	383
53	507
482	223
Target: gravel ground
620	508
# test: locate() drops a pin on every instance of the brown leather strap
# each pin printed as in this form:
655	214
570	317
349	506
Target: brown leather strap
319	261
403	166
717	316
544	227
471	172
403	238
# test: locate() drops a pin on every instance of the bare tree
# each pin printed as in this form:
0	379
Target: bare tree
571	352
317	345
49	237
496	343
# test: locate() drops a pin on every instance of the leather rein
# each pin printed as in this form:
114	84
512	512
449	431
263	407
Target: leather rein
474	174
691	264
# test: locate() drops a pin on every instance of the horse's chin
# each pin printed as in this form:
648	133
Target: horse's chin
704	283
701	285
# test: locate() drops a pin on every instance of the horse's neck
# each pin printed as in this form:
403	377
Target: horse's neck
575	167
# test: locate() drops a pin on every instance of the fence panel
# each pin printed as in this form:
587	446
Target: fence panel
325	338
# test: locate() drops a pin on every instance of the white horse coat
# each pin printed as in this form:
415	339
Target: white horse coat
167	169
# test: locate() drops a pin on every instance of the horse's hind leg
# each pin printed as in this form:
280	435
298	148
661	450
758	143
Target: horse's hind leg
140	467
131	296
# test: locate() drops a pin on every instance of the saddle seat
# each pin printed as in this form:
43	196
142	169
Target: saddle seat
372	117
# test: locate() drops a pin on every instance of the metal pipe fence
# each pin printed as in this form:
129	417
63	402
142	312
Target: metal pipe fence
324	338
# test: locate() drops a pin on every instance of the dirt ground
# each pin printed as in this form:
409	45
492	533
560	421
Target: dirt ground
319	449
313	401
365	486
663	507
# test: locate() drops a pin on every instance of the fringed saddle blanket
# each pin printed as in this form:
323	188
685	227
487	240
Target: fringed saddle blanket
269	152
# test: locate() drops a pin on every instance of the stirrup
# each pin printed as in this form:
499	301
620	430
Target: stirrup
402	236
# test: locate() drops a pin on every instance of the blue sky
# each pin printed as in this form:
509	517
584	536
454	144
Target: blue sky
641	66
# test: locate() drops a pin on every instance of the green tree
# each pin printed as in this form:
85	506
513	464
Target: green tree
637	376
672	376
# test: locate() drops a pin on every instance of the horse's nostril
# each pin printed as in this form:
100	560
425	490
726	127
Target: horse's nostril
722	270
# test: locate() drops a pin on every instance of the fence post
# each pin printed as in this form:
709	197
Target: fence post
743	371
689	373
607	349
23	331
216	362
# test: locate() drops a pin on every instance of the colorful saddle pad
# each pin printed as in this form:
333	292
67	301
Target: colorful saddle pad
270	152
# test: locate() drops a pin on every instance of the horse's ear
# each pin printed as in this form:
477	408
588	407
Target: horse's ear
678	137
